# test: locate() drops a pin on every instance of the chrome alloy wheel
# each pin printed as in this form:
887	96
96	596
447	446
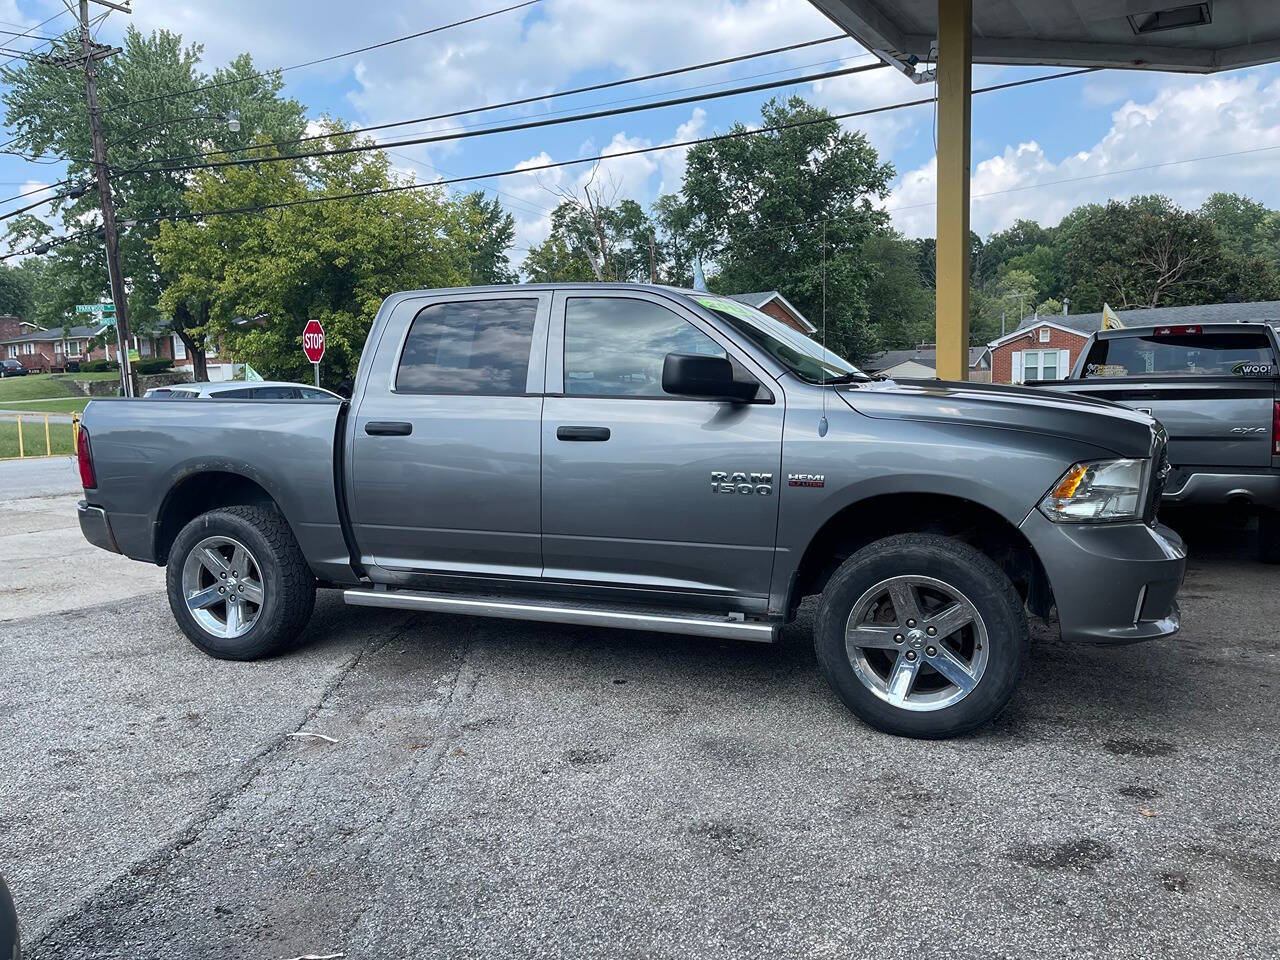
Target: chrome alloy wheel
222	585
917	643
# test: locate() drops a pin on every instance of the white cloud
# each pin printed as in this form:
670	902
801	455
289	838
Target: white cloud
1185	118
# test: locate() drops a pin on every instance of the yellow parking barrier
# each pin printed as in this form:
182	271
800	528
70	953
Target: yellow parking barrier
28	446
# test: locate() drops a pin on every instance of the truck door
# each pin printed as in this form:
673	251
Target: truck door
1214	391
444	455
642	489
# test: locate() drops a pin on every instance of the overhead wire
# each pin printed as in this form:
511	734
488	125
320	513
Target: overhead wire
522	101
231	81
470	178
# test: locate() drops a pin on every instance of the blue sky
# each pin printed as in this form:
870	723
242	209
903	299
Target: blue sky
1024	141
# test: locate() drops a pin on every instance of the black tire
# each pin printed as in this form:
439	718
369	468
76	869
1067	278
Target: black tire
289	589
1269	536
962	568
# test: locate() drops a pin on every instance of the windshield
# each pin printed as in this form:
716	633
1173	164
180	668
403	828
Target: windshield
802	356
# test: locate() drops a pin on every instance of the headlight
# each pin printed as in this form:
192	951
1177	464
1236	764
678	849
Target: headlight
1102	490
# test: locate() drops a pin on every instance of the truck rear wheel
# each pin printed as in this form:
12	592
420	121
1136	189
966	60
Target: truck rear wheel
922	636
238	584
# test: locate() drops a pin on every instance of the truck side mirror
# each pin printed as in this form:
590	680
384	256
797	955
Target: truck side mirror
711	378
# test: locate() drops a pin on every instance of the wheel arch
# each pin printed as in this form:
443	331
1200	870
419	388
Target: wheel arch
199	492
872	518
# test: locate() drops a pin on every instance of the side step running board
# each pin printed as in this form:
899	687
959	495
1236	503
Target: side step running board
690	624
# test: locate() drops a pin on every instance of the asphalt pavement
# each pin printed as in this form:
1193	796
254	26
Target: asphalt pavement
45	563
432	786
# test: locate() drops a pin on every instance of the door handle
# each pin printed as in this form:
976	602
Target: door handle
582	434
388	428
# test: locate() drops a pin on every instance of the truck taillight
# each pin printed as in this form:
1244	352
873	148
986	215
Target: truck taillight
84	460
1275	430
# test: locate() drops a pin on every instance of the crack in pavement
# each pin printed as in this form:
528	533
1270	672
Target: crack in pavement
178	840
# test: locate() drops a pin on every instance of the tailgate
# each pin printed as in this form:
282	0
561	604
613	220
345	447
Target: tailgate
1216	422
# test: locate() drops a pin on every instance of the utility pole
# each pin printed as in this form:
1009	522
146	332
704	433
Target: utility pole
92	53
653	259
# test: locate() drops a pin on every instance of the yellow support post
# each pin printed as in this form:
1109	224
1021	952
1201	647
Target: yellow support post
48	443
955	87
21	452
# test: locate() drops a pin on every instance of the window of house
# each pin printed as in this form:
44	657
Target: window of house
615	347
1039	365
1044	334
28	349
469	347
179	348
13	351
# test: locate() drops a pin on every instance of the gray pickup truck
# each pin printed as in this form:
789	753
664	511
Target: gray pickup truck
657	459
1215	387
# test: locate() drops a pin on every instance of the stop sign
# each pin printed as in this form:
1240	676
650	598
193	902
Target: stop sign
313	340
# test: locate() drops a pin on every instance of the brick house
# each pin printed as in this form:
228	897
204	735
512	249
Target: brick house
1046	348
41	350
777	306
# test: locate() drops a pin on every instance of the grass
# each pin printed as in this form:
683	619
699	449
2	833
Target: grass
45	386
64	405
33	438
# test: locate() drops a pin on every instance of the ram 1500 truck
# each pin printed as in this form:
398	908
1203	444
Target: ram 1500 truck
1215	388
658	459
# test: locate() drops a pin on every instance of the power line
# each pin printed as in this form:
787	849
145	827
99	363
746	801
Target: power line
523	100
527	125
311	63
402	188
37	27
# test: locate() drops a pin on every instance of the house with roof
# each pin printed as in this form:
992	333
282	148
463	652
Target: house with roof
777	306
921	363
42	350
1046	348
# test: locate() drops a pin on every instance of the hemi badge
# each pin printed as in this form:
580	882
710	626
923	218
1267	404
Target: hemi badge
806	480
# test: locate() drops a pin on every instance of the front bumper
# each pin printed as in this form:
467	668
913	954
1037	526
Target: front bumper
1203	485
96	527
1113	583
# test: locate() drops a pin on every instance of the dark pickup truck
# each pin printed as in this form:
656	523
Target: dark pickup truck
1215	387
656	459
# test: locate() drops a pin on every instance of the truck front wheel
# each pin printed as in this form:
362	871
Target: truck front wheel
238	584
922	636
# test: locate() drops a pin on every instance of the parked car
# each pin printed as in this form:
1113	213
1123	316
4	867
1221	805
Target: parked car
10	942
12	368
1216	389
241	390
659	459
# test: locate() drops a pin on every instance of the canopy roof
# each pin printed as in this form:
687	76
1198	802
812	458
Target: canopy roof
1168	35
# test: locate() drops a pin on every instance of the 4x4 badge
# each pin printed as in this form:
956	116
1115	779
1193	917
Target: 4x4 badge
806	479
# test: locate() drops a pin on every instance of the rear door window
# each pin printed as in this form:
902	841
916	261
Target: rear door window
1246	353
469	347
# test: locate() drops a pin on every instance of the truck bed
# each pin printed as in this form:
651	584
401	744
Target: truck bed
143	450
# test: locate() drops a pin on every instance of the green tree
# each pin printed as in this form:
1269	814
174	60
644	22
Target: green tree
17	291
1143	252
791	211
252	282
492	231
900	307
44	106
